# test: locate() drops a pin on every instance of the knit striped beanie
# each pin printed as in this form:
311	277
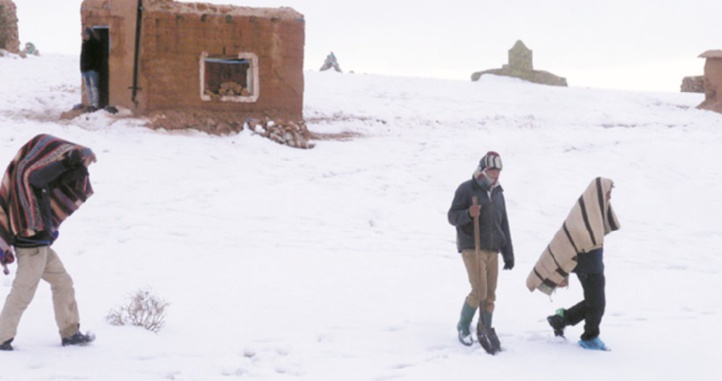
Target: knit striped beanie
490	160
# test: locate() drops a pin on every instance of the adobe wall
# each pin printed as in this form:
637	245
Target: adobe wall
167	51
9	39
119	17
712	85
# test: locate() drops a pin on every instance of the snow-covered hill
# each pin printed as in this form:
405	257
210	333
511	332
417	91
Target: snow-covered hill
338	263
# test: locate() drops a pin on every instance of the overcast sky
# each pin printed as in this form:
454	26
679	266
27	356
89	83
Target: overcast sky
647	45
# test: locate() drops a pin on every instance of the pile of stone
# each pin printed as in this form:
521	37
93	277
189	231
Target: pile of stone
228	89
233	89
693	84
292	134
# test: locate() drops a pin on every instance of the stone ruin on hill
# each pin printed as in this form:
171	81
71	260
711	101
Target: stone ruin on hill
712	81
331	63
521	66
9	39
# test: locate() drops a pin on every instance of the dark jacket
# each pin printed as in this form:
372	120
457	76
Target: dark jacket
493	221
90	55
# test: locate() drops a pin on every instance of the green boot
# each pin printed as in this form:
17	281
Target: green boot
487	319
467	315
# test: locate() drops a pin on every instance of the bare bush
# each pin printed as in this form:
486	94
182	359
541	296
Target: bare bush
143	310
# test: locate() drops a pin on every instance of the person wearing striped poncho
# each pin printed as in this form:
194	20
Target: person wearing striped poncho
44	184
578	247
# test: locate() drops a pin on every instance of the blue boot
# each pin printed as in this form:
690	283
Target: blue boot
594	344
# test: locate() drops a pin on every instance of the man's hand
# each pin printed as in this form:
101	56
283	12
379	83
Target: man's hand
5	258
508	264
474	211
72	159
564	283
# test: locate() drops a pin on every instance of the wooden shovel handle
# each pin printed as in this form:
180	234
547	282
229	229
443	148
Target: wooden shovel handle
477	239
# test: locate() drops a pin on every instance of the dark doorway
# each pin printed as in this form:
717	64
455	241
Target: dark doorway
104	75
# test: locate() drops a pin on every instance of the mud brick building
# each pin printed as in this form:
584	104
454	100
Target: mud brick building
9	27
163	55
712	81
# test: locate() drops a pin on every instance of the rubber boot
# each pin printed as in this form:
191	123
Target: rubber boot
594	344
558	322
6	346
487	336
487	319
462	327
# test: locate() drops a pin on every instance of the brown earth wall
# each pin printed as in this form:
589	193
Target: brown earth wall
119	17
173	36
712	85
170	60
9	39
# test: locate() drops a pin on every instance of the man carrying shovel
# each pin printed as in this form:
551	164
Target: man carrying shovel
478	212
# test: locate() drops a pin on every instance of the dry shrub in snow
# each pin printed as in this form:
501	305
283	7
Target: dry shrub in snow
143	310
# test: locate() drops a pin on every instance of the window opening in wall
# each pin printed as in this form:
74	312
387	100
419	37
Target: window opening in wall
229	79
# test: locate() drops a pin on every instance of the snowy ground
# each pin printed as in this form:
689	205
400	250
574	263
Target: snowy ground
337	263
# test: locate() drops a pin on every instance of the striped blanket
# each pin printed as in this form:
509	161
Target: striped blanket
19	207
584	229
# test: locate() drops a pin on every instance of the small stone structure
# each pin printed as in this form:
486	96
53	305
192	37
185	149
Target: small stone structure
331	63
220	62
712	81
521	66
693	84
9	39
